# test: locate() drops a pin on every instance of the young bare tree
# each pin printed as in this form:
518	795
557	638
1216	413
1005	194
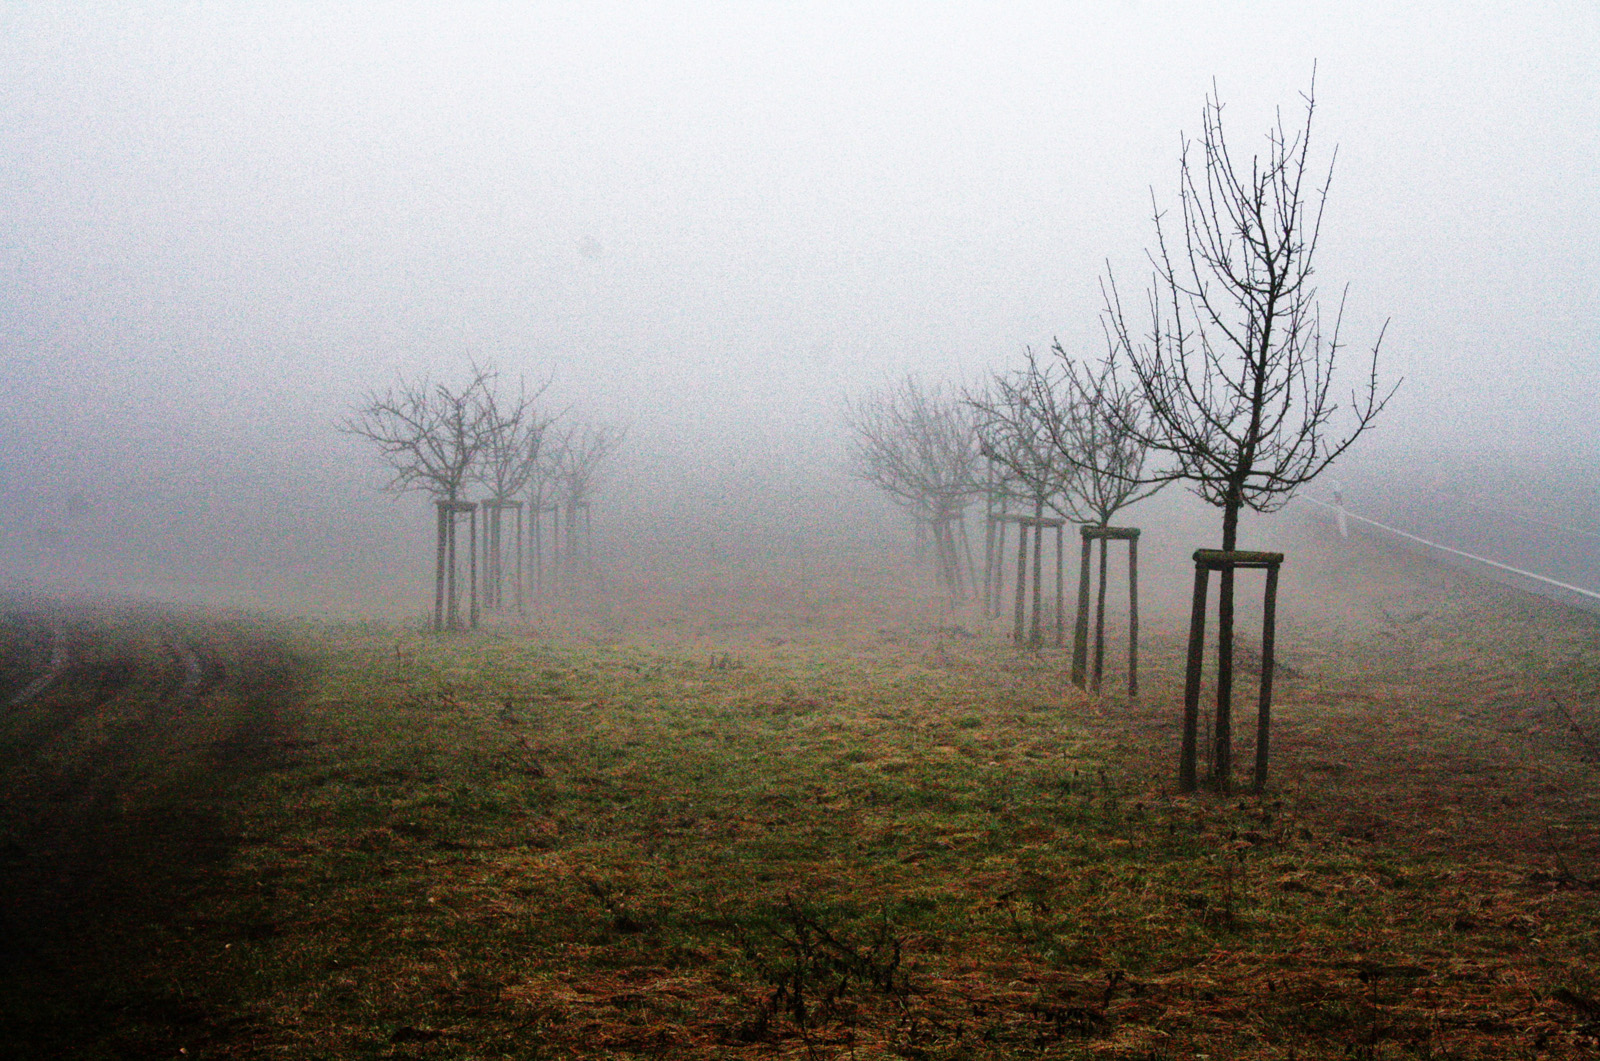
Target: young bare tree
1024	467
1069	435
578	458
514	435
431	436
1237	367
1014	431
919	445
1099	423
1061	431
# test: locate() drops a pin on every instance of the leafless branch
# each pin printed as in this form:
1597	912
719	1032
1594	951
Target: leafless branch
1237	368
429	434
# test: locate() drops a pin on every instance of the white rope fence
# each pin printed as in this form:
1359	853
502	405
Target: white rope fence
1542	583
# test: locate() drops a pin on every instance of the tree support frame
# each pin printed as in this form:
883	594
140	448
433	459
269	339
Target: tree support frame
1023	630
447	576
1226	562
1080	634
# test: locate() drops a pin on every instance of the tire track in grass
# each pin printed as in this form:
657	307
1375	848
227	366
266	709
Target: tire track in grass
194	670
60	659
119	806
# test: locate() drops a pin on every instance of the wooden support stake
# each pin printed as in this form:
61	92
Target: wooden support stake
1022	582
997	589
1036	630
1269	623
1061	589
1222	756
520	598
438	568
988	564
1080	628
1133	618
1100	622
472	570
453	608
1187	780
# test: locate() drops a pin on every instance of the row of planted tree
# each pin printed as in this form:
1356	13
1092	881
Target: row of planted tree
1224	380
537	470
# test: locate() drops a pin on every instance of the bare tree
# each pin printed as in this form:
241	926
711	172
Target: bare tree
1062	431
1070	435
1100	423
514	434
1024	466
577	460
1014	432
431	436
1237	368
919	445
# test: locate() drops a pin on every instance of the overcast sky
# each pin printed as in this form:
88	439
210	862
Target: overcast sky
220	222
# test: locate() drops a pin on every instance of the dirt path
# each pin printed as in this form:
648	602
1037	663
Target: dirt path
114	778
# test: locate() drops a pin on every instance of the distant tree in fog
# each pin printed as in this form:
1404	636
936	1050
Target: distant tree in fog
580	456
577	459
1013	433
432	436
515	430
1064	434
1099	423
919	444
514	454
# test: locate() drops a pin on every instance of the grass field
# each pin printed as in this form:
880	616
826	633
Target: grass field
731	817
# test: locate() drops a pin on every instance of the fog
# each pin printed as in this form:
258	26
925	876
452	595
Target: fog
220	224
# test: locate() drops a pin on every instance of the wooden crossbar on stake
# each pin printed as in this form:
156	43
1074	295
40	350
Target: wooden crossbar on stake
1080	634
1206	561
